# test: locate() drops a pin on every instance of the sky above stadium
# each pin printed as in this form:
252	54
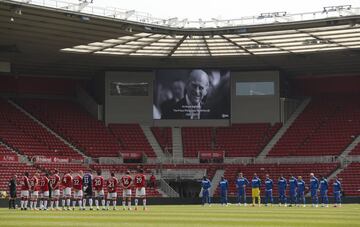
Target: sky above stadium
220	9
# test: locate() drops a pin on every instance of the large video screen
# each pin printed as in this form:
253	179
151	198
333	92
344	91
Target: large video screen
192	94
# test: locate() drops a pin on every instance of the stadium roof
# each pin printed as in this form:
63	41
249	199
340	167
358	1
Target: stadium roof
40	39
287	41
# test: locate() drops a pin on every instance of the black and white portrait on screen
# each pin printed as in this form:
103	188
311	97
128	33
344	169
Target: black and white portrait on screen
192	94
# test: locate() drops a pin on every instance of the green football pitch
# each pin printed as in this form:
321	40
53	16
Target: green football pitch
189	215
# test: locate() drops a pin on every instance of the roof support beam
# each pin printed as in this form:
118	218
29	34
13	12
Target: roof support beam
207	46
177	45
234	43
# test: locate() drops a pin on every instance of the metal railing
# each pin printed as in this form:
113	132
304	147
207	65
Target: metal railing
147	19
167	189
296	160
190	174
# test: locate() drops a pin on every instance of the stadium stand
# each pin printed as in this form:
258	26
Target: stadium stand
356	150
327	125
196	139
245	140
153	168
69	120
132	138
27	136
5	151
275	171
238	140
350	179
73	167
163	136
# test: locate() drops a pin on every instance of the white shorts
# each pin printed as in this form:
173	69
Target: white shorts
126	193
34	194
112	195
140	192
78	194
99	193
67	192
24	193
44	194
56	192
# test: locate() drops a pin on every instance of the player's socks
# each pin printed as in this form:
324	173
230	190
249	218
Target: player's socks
57	204
84	203
144	203
129	205
97	203
123	204
41	204
68	202
108	204
74	204
103	203
114	204
51	204
31	204
63	203
25	204
80	204
136	202
90	202
22	204
45	204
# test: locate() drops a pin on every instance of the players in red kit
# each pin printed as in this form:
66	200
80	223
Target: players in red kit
112	184
34	187
78	193
44	191
126	182
55	188
99	190
66	182
140	181
25	187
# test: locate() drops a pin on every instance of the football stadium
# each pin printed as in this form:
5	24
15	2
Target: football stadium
116	117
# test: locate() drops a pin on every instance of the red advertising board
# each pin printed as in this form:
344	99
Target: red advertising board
9	158
211	154
49	159
131	155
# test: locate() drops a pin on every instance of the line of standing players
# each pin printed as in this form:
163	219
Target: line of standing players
80	189
297	189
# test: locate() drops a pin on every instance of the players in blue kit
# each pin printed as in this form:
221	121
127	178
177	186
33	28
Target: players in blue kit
297	190
337	192
292	190
205	186
224	185
241	183
324	192
300	191
268	190
314	187
282	185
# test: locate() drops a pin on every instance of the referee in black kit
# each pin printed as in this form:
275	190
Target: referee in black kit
12	194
